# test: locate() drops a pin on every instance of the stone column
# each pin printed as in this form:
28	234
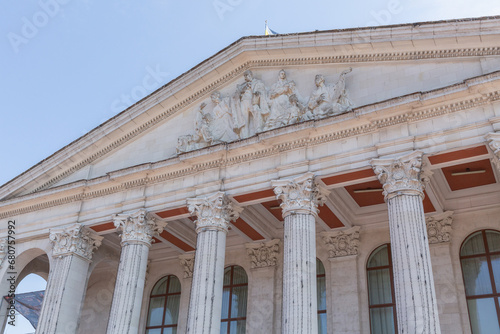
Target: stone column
300	199
138	229
263	260
402	180
438	231
344	313
72	249
214	214
493	139
187	264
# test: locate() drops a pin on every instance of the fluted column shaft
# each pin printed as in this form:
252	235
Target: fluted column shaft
67	283
300	199
416	304
213	216
138	230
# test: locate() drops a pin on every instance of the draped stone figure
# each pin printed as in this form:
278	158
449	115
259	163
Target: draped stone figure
251	101
201	137
280	98
329	100
222	122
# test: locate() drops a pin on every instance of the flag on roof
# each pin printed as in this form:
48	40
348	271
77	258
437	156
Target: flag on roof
269	31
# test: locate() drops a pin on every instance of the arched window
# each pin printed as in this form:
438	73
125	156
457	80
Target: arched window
480	257
234	301
381	291
321	288
164	306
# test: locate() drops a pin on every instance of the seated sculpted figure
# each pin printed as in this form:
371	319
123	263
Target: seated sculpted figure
328	100
221	125
201	137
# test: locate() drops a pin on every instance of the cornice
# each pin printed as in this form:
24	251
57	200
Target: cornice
134	176
168	91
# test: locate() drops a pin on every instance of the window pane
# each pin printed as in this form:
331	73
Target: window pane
322	323
156	311
320	269
223	328
379	286
379	258
174	285
473	245
227	276
172	311
239	302
160	287
476	276
321	293
225	303
495	263
493	239
382	320
239	275
237	327
154	331
170	330
483	316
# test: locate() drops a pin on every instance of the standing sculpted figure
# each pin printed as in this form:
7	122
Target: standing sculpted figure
281	102
222	123
328	100
251	102
201	137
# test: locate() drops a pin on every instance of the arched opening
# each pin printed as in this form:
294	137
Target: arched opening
234	301
164	303
321	293
382	303
480	259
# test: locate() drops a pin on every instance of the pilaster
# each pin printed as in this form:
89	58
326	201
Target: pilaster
300	198
138	229
344	309
72	249
403	182
214	214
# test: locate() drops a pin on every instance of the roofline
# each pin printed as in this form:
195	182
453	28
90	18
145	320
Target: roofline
181	76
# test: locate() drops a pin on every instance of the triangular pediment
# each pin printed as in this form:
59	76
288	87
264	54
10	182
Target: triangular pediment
388	64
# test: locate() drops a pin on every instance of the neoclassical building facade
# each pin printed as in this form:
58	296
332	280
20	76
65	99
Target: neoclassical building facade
327	182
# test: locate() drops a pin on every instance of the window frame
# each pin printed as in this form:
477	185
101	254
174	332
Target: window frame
319	276
495	290
166	295
231	286
391	276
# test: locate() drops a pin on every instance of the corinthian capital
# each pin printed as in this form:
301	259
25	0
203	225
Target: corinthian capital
3	250
263	254
213	212
401	176
299	195
74	240
439	227
138	227
342	243
493	139
187	263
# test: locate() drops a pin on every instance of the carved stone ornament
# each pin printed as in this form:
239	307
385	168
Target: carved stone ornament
253	107
3	250
439	227
213	212
299	195
76	239
342	242
263	254
187	263
138	226
402	176
493	139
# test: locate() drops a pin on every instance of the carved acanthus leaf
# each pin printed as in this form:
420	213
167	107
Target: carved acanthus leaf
138	226
3	251
493	139
76	239
187	263
439	227
213	212
263	254
402	176
300	195
342	243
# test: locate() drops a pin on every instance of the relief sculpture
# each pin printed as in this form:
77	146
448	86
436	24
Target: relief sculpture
254	108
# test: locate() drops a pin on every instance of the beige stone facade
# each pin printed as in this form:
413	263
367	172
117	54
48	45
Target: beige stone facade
370	136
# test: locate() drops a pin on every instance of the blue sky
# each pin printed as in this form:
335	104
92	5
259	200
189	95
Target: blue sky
69	65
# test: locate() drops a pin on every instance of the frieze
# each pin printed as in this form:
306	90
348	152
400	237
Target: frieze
263	254
341	243
76	239
439	227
